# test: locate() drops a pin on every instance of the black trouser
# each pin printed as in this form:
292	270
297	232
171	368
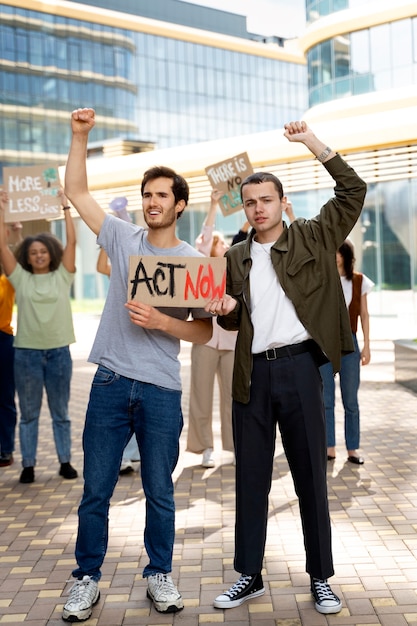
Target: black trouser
287	391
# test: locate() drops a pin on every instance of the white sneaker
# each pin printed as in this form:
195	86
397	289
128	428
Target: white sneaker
83	595
208	460
164	594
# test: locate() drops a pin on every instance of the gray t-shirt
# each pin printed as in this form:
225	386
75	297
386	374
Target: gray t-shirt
147	355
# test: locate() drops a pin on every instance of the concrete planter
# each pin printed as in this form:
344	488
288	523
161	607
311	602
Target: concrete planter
405	359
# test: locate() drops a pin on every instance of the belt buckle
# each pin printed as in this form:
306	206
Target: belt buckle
273	356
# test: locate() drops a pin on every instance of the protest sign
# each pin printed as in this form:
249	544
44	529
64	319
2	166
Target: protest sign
32	193
227	177
171	281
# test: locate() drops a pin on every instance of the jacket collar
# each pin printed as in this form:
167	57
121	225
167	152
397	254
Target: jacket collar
281	243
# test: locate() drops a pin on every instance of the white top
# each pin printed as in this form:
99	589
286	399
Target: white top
273	315
367	286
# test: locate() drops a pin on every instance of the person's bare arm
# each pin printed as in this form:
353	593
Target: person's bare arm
76	185
68	258
289	212
7	258
196	331
364	317
103	266
300	132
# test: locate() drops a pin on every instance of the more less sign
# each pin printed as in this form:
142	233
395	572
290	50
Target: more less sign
176	281
32	193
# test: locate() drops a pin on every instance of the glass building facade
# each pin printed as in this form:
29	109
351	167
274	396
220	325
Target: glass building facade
319	8
373	65
161	89
373	59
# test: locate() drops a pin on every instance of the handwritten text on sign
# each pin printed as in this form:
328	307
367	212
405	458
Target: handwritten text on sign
32	193
176	281
227	176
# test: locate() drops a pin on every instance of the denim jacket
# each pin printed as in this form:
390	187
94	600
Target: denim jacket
304	258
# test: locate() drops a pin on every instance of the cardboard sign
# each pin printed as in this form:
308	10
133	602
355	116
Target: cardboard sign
227	176
172	281
32	193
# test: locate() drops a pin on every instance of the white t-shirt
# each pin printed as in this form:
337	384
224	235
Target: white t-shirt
367	286
273	315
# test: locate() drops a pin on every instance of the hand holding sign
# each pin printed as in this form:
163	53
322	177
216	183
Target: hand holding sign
222	306
227	177
145	315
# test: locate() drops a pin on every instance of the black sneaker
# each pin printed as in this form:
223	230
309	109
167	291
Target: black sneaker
326	601
245	588
67	471
27	475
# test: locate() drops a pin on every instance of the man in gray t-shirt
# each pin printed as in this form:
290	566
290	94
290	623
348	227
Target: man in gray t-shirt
137	385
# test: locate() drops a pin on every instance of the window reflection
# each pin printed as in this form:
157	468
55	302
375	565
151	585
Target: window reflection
368	60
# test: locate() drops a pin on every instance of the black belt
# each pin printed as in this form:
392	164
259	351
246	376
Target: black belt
290	350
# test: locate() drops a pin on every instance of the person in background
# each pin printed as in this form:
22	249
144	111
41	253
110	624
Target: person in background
42	273
356	287
284	297
214	359
137	385
242	233
7	384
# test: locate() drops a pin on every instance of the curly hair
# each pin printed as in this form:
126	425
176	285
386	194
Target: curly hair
51	243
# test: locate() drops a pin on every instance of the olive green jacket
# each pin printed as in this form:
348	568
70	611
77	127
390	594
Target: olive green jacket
304	258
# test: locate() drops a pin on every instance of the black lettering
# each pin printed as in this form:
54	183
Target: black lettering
137	281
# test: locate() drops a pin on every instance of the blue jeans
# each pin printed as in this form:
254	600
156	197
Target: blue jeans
35	369
349	377
7	393
117	407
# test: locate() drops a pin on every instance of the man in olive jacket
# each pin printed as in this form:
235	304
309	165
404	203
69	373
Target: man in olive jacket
284	297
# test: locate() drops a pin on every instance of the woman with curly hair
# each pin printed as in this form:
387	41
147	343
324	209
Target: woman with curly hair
41	272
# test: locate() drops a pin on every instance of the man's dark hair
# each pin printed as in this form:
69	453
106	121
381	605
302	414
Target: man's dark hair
348	255
263	177
51	243
180	187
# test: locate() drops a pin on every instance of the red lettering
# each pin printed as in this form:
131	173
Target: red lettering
204	286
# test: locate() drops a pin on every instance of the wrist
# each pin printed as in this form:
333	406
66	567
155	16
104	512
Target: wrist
324	155
66	207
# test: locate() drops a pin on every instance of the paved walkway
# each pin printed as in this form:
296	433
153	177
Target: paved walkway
373	509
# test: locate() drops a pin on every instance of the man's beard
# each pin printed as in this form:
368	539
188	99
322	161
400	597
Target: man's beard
167	220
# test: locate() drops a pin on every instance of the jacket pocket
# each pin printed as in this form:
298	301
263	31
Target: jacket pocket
306	275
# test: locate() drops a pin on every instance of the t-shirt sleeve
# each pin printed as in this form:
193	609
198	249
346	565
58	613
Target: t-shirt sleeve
367	285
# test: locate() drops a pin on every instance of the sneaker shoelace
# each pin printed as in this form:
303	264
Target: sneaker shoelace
165	585
239	586
323	590
76	593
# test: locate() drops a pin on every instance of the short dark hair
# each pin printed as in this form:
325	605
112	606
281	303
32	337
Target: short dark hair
348	255
52	244
263	177
180	187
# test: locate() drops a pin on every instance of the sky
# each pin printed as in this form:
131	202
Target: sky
285	18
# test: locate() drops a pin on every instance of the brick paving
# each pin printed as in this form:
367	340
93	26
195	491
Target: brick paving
373	509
